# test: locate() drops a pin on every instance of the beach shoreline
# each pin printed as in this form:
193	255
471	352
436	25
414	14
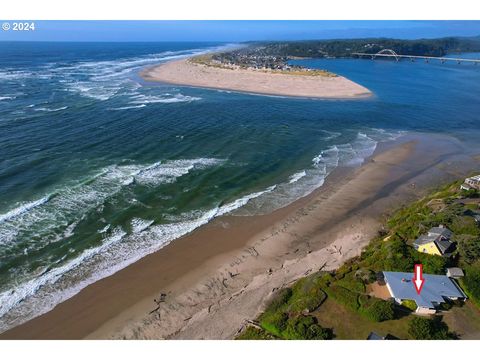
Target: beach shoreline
218	276
187	73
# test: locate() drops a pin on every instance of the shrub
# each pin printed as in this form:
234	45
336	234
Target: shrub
465	225
471	283
280	299
342	270
421	328
366	276
253	333
274	322
468	247
307	301
297	327
472	193
305	328
307	294
432	264
343	296
377	310
410	304
350	282
316	332
446	305
391	255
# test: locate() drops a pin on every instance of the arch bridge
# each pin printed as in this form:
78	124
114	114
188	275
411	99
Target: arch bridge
389	53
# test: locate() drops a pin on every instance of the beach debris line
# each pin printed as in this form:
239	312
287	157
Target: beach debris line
161	299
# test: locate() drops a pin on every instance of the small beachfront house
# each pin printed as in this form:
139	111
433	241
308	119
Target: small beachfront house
471	183
435	242
436	290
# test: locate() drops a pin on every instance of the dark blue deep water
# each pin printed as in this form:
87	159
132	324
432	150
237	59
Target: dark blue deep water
98	168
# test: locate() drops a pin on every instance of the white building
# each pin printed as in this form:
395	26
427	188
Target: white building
471	183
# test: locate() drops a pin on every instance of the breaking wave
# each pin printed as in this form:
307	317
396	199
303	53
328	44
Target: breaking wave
51	110
55	217
118	250
305	181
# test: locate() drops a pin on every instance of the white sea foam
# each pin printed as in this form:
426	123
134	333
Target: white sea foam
23	208
97	91
348	154
102	80
7	98
129	107
10	298
165	99
138	225
228	208
331	134
169	171
306	181
117	251
46	217
51	109
105	229
69	231
297	176
11	74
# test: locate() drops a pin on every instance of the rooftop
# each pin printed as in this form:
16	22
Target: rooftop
455	272
439	235
476	177
375	336
435	288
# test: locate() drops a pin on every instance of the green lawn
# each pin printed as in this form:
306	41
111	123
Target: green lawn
464	321
348	324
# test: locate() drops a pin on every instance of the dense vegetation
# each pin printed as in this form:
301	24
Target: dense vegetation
291	313
429	329
344	48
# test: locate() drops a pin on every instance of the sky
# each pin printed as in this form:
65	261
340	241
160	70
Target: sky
235	31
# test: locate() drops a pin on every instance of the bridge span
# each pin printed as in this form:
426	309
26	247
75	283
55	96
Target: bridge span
388	53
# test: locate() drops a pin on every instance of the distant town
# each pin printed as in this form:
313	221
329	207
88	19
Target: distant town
254	59
276	56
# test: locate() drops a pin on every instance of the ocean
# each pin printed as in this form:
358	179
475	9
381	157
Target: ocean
99	168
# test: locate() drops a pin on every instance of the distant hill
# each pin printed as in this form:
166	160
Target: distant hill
345	47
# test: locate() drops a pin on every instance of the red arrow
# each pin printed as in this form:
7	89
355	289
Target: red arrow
418	279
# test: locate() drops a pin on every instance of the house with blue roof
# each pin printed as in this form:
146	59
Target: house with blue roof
437	289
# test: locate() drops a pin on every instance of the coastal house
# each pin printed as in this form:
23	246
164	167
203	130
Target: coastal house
471	183
435	242
437	289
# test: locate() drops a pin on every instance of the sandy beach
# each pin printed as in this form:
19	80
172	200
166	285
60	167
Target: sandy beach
219	276
185	72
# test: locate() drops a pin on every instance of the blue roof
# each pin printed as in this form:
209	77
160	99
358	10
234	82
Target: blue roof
375	336
435	288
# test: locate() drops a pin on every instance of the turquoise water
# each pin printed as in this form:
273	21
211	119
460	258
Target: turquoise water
98	168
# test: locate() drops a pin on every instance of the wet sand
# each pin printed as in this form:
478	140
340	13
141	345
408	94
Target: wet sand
221	274
184	72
